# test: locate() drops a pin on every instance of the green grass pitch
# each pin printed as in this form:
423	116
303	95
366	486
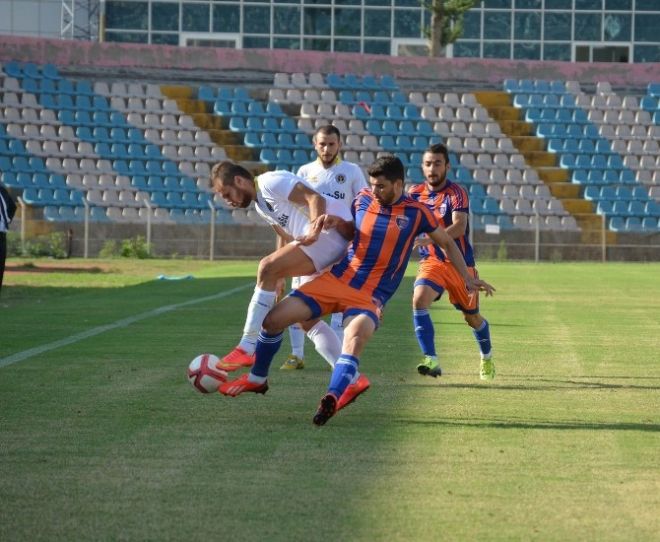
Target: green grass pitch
103	438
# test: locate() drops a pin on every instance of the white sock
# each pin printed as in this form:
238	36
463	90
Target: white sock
337	324
326	342
256	379
297	338
262	301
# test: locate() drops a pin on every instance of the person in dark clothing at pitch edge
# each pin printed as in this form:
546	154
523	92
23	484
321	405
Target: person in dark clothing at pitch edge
7	210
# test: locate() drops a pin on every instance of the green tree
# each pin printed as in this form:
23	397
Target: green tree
446	23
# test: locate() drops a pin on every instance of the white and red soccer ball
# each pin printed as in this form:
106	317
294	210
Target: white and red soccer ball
203	374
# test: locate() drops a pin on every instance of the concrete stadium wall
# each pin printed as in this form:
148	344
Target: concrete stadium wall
83	54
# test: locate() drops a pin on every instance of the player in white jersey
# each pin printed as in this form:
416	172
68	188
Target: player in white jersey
297	213
338	179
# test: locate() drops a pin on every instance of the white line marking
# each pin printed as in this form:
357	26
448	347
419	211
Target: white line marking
25	354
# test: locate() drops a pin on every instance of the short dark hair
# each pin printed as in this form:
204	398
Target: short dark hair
328	129
438	148
224	172
388	166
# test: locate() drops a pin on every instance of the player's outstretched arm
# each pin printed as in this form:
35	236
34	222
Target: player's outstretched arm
441	237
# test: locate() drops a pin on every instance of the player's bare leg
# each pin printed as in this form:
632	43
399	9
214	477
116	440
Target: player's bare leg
288	261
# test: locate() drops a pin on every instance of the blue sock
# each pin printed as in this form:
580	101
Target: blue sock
343	374
267	347
424	331
482	335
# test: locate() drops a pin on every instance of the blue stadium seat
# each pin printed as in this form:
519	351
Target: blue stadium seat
591	193
388	82
237	124
302	140
171	184
636	208
268	156
620	208
174	200
206	94
604	207
623	193
268	140
274	110
253	140
650	224
256	108
254	124
634	224
652	208
287	124
222	108
50	71
285	141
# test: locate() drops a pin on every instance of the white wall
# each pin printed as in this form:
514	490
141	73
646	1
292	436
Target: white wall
31	17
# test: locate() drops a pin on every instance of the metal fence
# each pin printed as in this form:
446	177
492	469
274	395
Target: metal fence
216	239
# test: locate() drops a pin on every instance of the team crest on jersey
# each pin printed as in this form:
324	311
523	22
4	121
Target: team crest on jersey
442	209
283	220
341	179
402	222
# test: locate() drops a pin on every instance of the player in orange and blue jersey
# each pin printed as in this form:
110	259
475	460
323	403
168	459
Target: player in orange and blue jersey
450	204
386	225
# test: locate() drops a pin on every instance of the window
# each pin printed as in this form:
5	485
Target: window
407	24
587	27
226	18
317	44
348	22
347	46
472	25
317	22
374	47
164	16
128	37
377	23
616	27
165	39
497	50
589	4
255	42
196	18
527	51
497	25
126	15
646	27
286	20
527	25
557	26
647	53
256	19
286	43
466	49
557	51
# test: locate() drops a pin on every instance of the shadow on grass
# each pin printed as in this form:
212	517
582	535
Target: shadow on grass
531	424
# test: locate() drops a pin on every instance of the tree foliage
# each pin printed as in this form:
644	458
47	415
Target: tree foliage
446	22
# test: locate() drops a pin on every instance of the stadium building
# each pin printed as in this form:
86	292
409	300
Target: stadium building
566	30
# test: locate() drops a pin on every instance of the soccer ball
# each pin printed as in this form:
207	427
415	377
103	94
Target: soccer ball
203	374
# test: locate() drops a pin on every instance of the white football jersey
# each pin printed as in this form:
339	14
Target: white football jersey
273	189
341	181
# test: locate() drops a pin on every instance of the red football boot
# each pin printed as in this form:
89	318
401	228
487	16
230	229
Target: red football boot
232	388
352	392
236	359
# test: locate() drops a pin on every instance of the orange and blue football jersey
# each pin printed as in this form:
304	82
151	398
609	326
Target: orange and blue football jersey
384	235
452	197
